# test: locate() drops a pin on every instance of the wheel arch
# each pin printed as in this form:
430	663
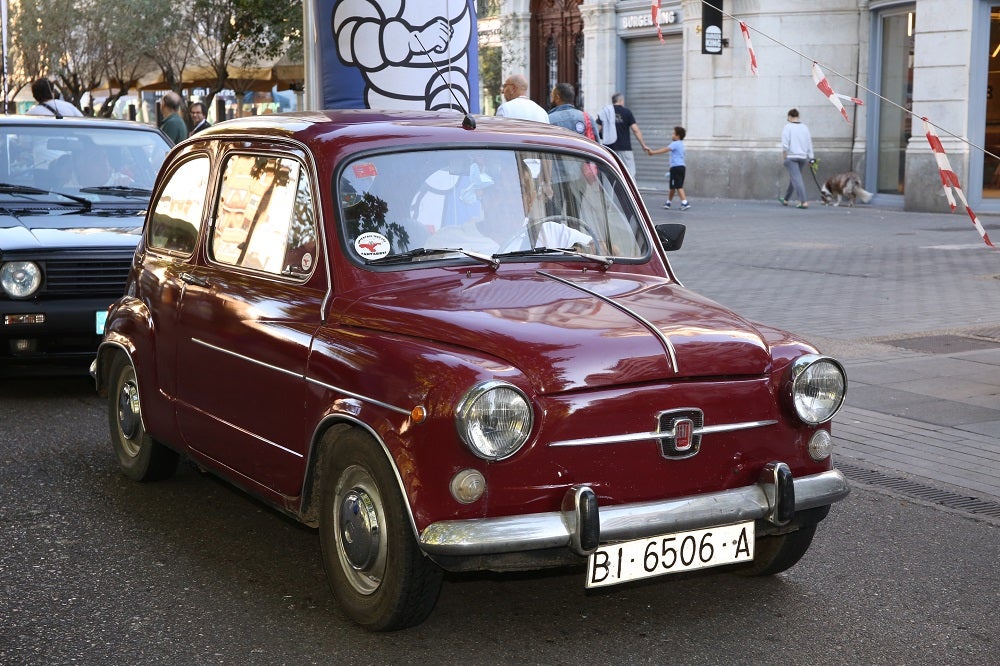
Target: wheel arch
330	434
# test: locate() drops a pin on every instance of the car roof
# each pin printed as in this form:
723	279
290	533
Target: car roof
74	121
371	126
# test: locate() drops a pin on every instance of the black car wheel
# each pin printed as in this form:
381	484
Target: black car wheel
774	554
140	457
378	574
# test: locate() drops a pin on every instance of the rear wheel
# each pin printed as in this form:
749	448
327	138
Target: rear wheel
774	554
140	457
378	574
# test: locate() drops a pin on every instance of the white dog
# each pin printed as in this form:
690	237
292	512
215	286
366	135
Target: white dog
844	185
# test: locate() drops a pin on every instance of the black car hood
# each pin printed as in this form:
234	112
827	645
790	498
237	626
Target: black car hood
115	228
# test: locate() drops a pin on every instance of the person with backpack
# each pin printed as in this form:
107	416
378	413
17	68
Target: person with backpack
47	105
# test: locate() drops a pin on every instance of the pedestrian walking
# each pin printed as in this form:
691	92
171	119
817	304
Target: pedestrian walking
796	151
172	124
678	169
517	104
615	122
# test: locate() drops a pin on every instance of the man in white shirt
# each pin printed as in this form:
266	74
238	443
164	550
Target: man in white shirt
47	105
518	105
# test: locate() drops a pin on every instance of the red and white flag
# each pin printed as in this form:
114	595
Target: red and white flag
949	179
826	89
656	19
750	51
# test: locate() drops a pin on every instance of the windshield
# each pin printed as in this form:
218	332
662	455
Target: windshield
98	163
496	202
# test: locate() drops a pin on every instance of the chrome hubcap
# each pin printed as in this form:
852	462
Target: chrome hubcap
128	410
359	529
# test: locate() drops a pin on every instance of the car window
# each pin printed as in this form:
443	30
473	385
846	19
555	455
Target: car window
75	159
178	211
487	201
265	219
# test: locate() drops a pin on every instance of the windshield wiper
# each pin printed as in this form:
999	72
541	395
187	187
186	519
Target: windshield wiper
118	190
404	257
11	188
605	261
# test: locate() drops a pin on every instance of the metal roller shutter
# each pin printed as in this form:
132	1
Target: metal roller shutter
653	80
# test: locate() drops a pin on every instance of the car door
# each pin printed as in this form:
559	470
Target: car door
250	308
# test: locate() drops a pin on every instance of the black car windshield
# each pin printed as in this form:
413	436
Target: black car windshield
98	162
497	202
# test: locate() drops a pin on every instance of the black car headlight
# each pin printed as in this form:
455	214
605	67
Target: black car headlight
494	420
20	279
818	388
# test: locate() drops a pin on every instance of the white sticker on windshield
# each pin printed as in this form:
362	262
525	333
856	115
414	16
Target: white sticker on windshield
371	245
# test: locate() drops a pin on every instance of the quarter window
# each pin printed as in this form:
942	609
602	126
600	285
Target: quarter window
265	219
177	213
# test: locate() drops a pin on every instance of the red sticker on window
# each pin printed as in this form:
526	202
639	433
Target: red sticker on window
366	170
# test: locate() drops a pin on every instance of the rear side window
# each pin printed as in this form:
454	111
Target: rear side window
265	219
178	212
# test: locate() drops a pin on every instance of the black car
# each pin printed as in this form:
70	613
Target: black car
72	198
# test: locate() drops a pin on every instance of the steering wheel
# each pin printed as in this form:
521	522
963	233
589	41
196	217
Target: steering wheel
571	222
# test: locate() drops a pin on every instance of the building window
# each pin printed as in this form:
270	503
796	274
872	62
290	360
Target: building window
896	85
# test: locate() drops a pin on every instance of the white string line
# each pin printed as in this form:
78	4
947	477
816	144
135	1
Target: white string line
826	68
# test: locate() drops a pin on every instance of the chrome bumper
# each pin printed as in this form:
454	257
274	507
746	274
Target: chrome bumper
567	528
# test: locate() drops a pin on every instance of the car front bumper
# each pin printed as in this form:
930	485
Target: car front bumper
776	497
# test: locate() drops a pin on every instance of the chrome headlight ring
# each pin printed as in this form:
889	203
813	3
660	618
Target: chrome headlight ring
494	419
818	386
20	279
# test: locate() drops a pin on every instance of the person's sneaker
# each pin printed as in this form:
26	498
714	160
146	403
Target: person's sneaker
667	205
685	205
783	201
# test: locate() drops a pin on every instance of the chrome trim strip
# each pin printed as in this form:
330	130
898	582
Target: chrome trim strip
257	437
641	436
667	345
509	534
358	396
311	380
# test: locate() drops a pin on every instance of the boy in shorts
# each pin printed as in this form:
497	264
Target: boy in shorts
677	167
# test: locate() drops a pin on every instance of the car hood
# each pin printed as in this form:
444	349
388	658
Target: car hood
58	230
572	330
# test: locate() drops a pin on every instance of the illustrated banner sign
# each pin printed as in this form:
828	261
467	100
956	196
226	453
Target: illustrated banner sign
398	54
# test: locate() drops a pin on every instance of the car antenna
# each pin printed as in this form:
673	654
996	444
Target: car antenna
468	122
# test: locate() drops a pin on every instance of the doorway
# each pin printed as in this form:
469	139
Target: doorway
556	48
894	125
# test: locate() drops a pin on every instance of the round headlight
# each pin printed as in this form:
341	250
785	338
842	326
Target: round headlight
819	385
20	279
494	420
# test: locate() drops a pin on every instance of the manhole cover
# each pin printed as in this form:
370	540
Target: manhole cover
942	344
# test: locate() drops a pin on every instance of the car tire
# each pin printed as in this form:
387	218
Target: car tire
140	457
376	571
774	554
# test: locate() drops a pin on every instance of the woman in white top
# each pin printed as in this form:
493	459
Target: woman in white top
797	149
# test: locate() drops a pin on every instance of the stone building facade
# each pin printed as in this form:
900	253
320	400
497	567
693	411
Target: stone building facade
905	60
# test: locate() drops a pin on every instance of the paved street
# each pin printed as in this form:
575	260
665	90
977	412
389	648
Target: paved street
95	568
910	302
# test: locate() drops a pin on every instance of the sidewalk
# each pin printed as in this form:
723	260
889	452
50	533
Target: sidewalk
909	302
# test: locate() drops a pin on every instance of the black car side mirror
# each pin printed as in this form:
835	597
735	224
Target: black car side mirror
671	236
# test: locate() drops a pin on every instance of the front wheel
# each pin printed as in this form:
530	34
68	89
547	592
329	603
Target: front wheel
140	457
380	577
774	554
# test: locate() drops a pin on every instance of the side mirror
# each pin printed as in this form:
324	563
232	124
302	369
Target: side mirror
671	236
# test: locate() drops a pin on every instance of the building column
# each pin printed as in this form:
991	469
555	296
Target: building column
600	53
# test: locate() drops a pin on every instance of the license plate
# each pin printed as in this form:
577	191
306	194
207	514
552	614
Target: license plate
670	553
102	318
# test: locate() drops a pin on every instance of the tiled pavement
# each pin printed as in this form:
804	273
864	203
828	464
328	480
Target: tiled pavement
909	302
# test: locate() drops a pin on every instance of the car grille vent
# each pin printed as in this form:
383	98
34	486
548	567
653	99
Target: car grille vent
104	276
921	491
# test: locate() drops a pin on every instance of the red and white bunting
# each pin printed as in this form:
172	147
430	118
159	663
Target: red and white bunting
826	89
750	51
949	179
656	20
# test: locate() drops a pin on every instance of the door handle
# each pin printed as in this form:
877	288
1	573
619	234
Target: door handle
194	279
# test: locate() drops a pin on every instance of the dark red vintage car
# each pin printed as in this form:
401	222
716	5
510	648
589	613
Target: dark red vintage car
456	344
